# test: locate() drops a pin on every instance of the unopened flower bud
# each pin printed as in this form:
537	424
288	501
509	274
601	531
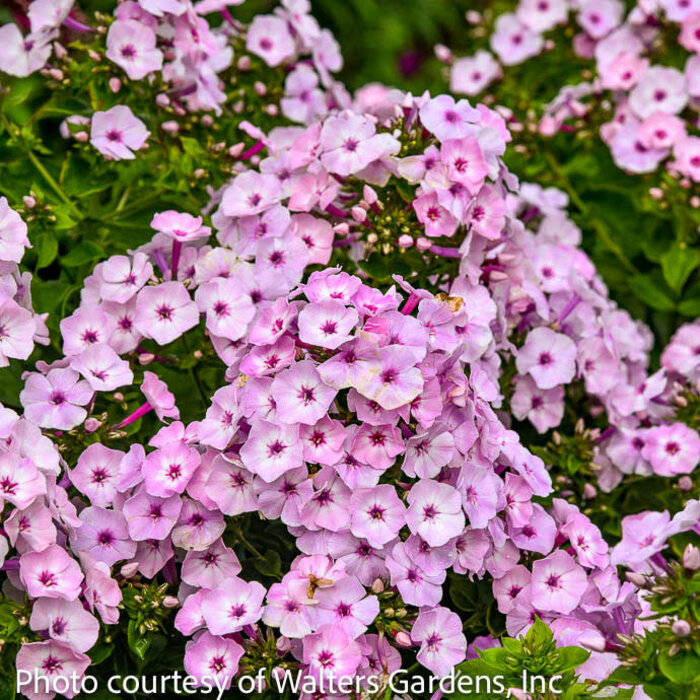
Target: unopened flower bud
260	88
423	243
443	54
170	601
29	202
405	241
283	644
81	136
56	74
128	570
369	194
91	425
342	229
685	483
243	63
695	202
94	56
592	641
59	50
681	628
172	127
115	85
199	173
656	193
691	558
638	580
162	100
118	396
272	109
207	120
145	358
589	491
236	149
359	214
402	639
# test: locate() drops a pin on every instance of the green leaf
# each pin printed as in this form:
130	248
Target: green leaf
138	643
100	652
83	253
653	292
682	668
539	634
568	658
677	264
271	565
662	691
690	307
47	250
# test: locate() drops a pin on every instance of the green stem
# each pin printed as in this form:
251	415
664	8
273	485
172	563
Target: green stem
53	184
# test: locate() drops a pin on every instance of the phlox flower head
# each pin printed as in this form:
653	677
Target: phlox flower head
117	133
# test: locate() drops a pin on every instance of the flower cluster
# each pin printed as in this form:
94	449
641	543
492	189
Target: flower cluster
20	326
654	117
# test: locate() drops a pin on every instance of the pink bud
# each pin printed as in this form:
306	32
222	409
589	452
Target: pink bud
59	50
443	54
170	601
685	483
656	193
29	202
236	149
405	241
695	202
592	641
162	100
377	586
691	558
283	644
402	639
243	63
115	85
342	229
589	491
681	628
423	243
199	173
94	56
172	127
272	109
128	570
369	195
118	396
81	136
56	74
91	425
359	214
473	17
207	120
145	358
260	88
638	580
